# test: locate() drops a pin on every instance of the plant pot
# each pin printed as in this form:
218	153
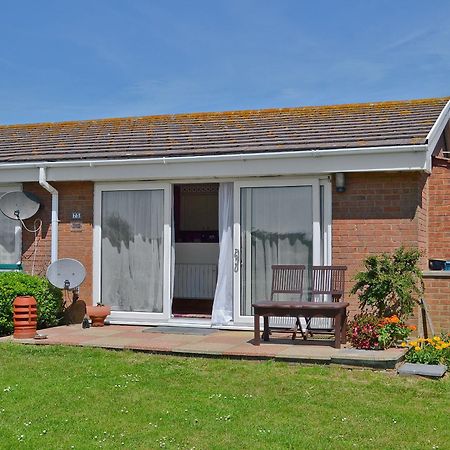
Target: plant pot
98	314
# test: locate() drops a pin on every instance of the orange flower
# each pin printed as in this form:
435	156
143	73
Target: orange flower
389	320
412	327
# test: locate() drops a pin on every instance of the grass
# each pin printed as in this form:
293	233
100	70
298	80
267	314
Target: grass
63	398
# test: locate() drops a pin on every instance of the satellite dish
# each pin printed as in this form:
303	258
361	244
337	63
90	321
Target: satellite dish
66	273
19	205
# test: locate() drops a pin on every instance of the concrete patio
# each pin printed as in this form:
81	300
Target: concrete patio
218	343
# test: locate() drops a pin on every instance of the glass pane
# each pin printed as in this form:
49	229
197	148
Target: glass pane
132	250
276	228
8	253
322	224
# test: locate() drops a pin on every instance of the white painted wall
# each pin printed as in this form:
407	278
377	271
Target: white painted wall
196	253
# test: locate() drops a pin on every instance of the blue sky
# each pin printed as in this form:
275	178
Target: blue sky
62	60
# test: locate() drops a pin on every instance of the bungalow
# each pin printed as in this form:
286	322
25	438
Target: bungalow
177	217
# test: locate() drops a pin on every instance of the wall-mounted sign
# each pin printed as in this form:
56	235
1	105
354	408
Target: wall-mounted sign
76	224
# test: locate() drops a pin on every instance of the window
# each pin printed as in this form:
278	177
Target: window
196	208
10	233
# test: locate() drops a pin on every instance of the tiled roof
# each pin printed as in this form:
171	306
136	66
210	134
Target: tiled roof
270	130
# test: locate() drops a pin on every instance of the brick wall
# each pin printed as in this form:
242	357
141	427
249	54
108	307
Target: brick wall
73	243
437	288
439	210
377	213
437	296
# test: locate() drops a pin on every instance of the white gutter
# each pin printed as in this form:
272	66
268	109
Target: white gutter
54	192
212	158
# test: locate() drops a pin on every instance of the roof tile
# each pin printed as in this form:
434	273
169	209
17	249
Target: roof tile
269	130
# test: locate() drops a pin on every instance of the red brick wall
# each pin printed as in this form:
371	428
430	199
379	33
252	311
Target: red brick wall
439	210
437	296
437	288
378	212
77	244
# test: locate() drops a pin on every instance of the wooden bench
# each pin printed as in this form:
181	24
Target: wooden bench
327	292
334	310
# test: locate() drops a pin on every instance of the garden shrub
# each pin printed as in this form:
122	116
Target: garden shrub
368	331
48	298
363	331
391	284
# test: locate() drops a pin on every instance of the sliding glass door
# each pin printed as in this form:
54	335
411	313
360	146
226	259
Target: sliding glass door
279	223
134	237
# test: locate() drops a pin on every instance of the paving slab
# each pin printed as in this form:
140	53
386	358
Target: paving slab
380	359
250	350
189	331
202	347
424	370
111	342
312	354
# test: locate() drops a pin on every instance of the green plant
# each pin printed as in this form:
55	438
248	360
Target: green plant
48	298
367	331
392	331
363	331
390	284
435	350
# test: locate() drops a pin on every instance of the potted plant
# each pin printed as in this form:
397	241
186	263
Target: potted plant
98	313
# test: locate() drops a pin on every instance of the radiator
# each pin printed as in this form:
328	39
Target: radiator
195	280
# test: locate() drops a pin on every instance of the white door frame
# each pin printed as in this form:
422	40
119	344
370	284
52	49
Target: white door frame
127	316
10	187
319	257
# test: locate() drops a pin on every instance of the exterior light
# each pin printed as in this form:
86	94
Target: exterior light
340	182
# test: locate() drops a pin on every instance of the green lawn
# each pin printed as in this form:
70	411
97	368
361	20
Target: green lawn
61	397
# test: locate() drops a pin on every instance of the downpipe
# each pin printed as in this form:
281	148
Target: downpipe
54	223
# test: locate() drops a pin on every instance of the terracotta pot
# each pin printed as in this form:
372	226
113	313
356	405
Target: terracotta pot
98	314
25	317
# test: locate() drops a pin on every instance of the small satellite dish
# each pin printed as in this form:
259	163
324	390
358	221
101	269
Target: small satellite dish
66	273
19	205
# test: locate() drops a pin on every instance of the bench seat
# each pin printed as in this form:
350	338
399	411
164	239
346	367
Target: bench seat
334	310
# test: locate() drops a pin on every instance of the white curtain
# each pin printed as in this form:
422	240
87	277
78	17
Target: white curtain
132	250
172	247
8	254
277	228
222	311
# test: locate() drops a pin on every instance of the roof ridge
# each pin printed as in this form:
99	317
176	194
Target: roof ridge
231	113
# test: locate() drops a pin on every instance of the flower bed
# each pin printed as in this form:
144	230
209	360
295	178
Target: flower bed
369	332
435	350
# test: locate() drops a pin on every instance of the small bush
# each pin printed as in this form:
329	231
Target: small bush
390	284
49	299
363	332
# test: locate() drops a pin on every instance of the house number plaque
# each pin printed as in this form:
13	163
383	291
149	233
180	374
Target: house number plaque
76	224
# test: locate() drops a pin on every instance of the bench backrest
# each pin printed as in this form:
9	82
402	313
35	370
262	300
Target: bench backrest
287	279
329	280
